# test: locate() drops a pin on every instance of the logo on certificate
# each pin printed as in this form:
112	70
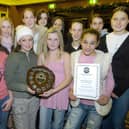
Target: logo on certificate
86	70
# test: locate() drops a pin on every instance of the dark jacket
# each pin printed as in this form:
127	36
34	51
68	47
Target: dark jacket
4	49
120	65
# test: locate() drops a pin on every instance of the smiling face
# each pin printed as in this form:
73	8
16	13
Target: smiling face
97	23
6	28
26	43
89	43
43	19
76	31
29	19
119	22
53	41
58	24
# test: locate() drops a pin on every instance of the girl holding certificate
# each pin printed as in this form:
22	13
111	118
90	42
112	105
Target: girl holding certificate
86	108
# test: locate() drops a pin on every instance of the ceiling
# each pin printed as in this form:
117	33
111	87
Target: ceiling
24	2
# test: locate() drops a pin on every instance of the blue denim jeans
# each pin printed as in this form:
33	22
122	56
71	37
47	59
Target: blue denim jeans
3	115
51	118
81	112
120	107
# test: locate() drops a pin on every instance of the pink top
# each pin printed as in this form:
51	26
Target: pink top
59	100
109	84
3	87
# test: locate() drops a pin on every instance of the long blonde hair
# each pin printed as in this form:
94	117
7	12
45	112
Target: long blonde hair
45	46
11	23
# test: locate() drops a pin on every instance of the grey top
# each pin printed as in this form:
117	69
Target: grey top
16	69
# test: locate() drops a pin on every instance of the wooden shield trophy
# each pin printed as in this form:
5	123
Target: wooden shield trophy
40	79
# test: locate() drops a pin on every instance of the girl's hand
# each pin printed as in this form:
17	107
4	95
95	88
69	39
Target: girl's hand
7	105
48	93
30	90
114	96
103	100
71	95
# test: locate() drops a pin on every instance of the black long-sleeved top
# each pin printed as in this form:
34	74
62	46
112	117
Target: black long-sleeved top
120	65
68	47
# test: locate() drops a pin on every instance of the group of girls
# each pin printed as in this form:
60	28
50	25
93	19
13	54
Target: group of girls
15	93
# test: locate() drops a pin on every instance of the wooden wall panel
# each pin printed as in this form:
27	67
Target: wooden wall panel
15	12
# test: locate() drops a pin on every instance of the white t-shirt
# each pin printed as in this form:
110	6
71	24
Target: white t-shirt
36	36
114	41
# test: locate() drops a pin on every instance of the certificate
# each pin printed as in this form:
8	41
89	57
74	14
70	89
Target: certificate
87	81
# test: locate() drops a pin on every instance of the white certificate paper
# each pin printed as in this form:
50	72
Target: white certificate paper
87	81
